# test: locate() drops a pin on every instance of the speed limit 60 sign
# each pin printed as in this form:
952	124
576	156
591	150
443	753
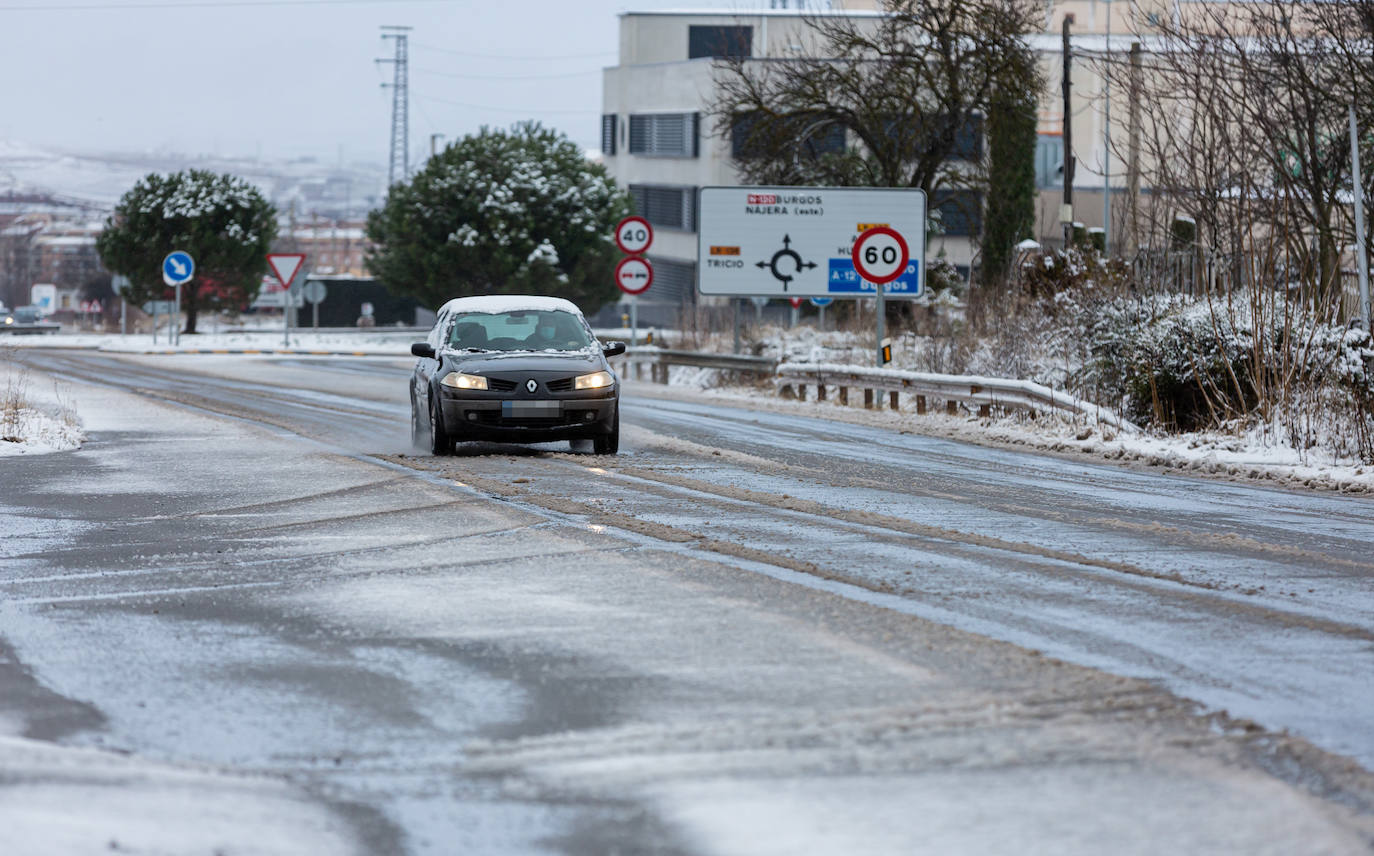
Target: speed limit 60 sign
634	235
880	255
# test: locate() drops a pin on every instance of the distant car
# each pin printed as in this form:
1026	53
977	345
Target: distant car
515	370
26	319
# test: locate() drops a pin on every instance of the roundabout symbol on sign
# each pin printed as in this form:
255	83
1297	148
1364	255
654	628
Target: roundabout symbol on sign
634	275
786	252
880	255
634	235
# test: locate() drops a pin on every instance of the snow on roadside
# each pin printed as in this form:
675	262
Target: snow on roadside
380	343
1251	457
34	419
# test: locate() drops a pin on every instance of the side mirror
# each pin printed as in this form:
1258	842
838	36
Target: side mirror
613	349
422	349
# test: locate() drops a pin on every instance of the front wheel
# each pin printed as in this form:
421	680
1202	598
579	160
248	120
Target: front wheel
610	443
439	441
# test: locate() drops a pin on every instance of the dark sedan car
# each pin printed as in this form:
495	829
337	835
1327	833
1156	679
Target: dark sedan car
514	370
26	319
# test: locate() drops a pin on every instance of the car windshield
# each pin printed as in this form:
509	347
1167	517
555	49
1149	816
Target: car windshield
26	316
519	330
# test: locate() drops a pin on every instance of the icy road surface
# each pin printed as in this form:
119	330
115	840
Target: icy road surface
247	616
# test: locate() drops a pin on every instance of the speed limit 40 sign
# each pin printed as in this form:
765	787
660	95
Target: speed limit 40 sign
634	235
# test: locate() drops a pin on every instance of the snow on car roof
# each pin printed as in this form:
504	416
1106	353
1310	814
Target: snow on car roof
493	303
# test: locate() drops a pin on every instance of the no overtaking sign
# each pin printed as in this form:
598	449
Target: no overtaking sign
805	241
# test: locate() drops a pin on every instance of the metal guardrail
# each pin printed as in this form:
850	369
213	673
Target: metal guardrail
659	359
986	392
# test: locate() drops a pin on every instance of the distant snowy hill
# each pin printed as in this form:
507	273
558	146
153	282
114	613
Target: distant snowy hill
327	189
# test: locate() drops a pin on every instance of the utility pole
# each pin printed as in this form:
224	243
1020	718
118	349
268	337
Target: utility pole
1107	144
400	105
1066	210
1133	153
1360	250
434	144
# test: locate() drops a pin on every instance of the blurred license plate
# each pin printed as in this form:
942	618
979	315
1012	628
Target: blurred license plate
528	409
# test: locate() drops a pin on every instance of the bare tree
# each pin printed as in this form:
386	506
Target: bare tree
909	87
1244	145
1244	133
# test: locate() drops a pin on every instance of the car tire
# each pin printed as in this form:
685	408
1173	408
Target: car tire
416	432
439	441
609	444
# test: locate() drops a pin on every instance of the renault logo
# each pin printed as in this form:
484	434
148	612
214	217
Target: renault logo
531	385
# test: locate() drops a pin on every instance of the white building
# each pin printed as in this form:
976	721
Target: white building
658	141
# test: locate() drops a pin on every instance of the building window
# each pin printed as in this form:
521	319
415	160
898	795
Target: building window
961	212
968	141
749	140
719	42
669	207
608	129
665	134
1049	161
674	281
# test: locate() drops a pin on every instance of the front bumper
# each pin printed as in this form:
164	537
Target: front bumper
529	419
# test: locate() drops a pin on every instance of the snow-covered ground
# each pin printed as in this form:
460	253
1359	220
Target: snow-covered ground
381	342
1256	454
34	418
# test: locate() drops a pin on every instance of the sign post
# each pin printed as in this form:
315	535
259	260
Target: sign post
119	284
314	292
634	274
880	255
177	268
820	303
284	267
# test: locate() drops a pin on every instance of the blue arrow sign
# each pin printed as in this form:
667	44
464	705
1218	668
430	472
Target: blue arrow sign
178	267
844	279
822	302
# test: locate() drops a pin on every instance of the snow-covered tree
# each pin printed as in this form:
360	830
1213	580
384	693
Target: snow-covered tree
223	221
501	212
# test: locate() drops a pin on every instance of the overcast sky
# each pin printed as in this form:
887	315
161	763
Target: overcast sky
290	78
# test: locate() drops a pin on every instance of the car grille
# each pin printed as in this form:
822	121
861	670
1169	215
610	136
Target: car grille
500	385
560	385
493	417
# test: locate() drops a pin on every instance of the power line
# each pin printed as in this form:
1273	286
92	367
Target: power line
525	110
508	77
525	57
208	4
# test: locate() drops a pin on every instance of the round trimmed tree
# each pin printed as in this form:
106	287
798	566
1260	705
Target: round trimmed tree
223	221
519	211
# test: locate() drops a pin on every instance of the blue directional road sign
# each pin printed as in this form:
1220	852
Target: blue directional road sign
845	280
178	267
822	302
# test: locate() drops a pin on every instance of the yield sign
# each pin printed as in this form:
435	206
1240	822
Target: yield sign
285	265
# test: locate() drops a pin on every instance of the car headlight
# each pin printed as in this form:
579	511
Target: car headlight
595	380
458	380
